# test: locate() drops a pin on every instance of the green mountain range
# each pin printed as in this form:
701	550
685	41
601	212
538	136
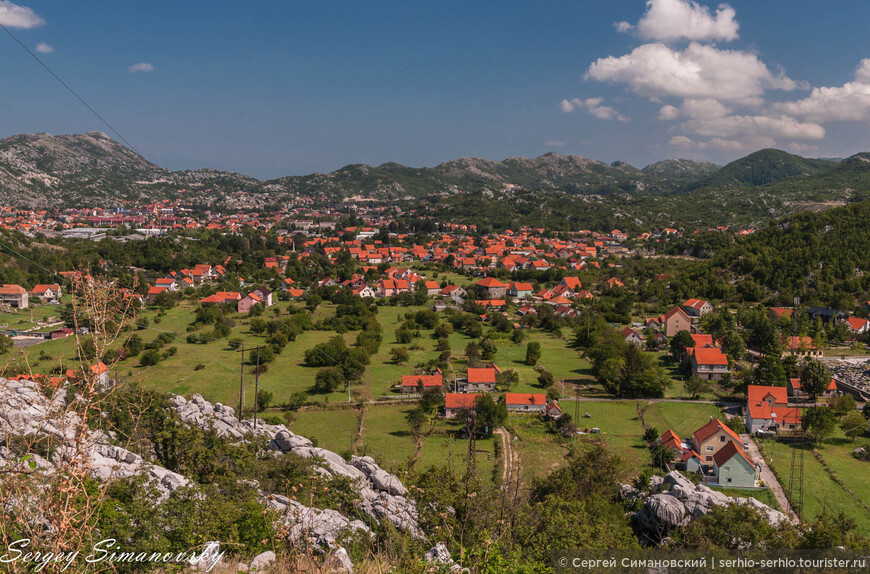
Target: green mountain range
558	191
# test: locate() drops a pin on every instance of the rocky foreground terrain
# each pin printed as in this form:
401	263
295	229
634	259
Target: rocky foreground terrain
675	501
24	410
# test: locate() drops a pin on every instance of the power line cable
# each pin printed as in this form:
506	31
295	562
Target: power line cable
69	89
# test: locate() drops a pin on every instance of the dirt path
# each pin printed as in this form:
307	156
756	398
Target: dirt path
507	456
767	475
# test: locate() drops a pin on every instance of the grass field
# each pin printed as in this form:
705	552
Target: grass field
683	418
333	429
821	492
540	451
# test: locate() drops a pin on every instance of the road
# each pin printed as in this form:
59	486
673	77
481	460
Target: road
767	475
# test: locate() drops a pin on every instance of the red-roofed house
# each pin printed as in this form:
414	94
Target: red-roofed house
712	437
795	390
46	292
492	288
411	383
732	467
675	321
631	337
858	325
520	290
767	408
572	283
15	296
709	364
454	402
247	302
482	379
525	402
801	347
697	307
101	372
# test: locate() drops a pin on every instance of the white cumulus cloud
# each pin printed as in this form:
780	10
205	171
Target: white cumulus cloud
141	67
44	48
595	106
669	20
15	16
849	102
698	71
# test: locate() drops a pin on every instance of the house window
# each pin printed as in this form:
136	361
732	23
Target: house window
728	480
722	438
726	468
710	448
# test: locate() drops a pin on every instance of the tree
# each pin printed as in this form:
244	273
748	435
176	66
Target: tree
400	355
819	422
5	344
264	399
769	372
329	379
533	353
416	420
853	424
545	379
679	343
815	378
843	404
488	349
696	386
150	358
490	415
507	378
733	346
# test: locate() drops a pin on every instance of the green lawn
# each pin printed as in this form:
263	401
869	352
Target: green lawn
333	429
820	492
540	451
386	436
444	447
683	418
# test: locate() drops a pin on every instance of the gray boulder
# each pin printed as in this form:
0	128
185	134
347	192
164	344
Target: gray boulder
666	510
262	561
381	479
338	561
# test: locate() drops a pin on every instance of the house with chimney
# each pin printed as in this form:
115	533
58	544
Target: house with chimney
767	409
477	380
525	402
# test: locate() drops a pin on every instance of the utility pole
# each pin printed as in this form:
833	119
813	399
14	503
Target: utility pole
242	384
256	387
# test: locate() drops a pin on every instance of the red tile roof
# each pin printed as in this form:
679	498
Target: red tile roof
484	375
525	399
728	451
712	428
460	400
428	380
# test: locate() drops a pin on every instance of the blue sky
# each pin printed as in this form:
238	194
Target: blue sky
276	88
